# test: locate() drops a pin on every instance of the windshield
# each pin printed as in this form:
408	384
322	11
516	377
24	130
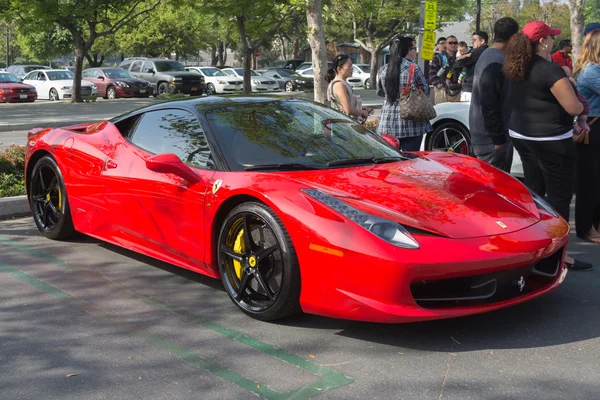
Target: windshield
240	72
213	72
365	68
291	132
9	78
290	74
59	75
165	66
117	73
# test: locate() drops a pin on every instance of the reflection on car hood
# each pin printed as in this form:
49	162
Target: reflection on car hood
453	201
11	85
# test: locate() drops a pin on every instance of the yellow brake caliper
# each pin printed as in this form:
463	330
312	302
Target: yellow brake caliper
238	247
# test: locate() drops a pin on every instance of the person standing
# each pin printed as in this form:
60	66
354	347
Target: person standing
441	75
562	57
489	112
339	92
480	44
391	78
587	185
543	105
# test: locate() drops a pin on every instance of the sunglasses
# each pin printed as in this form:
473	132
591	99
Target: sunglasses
413	48
451	42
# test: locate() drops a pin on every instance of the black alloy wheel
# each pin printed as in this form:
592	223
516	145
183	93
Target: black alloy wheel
258	263
451	137
48	200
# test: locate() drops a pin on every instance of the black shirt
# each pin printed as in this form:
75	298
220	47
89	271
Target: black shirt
534	109
469	63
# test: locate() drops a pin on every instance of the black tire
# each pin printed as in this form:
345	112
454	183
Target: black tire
265	282
111	93
53	95
450	136
49	201
210	89
163	88
289	86
367	83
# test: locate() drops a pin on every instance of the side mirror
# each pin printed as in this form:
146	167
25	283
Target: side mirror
171	164
391	140
101	78
151	71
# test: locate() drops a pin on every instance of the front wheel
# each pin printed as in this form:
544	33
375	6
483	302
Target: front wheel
367	83
111	93
48	200
450	136
289	87
53	95
163	88
258	263
210	89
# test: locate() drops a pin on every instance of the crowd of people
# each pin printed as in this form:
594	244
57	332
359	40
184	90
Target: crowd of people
522	97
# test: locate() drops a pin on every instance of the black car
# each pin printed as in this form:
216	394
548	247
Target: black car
165	76
287	64
289	80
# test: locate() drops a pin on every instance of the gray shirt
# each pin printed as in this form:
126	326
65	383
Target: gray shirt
489	112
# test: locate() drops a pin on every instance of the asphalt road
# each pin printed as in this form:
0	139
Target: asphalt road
87	320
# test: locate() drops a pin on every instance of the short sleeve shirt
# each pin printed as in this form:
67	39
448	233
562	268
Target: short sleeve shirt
535	111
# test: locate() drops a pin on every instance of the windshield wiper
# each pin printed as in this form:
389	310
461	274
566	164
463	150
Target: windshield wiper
281	167
359	161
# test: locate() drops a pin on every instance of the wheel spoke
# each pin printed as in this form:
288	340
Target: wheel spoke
266	252
247	237
45	215
263	285
446	141
243	286
38	197
42	183
53	209
458	143
232	254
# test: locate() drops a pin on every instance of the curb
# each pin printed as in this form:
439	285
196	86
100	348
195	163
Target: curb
11	207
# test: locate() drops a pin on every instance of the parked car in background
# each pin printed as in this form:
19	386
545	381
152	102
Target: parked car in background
165	76
12	90
290	80
355	83
307	65
259	83
218	81
116	82
56	84
287	64
451	133
362	72
21	70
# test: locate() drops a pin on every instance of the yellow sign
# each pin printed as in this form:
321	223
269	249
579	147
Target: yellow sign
430	20
428	46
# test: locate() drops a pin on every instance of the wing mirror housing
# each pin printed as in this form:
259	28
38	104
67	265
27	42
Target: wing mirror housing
391	140
171	164
151	71
100	77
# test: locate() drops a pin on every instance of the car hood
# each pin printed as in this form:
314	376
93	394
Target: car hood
225	78
13	86
128	80
454	201
183	74
68	82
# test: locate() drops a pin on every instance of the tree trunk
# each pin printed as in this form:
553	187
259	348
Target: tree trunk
254	60
220	51
79	54
296	49
373	77
576	13
246	53
283	52
316	39
214	58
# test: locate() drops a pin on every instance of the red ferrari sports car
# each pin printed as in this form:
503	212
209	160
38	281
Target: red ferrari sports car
298	208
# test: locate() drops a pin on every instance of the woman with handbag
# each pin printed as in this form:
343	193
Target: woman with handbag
587	184
339	93
407	108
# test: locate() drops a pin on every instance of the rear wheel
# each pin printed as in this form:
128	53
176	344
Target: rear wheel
451	137
48	200
258	263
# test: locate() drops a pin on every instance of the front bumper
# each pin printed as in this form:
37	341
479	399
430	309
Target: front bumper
133	91
12	97
189	87
374	281
266	88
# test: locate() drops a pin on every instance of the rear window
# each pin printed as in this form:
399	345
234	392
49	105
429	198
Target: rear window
166	66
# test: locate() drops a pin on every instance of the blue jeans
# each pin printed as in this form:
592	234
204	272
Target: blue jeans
412	143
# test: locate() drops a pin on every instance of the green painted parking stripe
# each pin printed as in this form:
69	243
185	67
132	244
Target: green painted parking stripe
330	379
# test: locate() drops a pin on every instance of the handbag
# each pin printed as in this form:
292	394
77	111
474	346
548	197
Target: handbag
415	105
584	137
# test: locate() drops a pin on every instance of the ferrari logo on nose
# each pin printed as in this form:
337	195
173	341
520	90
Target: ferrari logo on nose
252	261
521	284
501	224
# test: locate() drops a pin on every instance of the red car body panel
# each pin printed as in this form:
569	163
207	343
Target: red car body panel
481	221
16	93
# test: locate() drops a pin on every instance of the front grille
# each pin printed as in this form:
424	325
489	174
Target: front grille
237	82
484	289
140	85
86	90
21	91
268	83
354	80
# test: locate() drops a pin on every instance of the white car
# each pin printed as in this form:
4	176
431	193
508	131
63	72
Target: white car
451	133
259	83
355	83
362	72
56	84
217	81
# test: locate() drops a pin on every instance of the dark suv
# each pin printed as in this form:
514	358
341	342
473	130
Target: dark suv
21	70
165	76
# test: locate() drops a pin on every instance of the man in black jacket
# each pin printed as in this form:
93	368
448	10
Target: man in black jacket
480	43
490	112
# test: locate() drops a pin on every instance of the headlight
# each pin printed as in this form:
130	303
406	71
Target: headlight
221	82
33	89
93	86
122	84
65	88
6	90
255	81
389	231
543	204
177	79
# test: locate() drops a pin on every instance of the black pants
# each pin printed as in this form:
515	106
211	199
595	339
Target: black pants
549	169
587	185
501	158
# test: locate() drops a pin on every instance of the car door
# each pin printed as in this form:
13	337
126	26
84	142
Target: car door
136	69
92	76
148	72
42	84
31	79
162	212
